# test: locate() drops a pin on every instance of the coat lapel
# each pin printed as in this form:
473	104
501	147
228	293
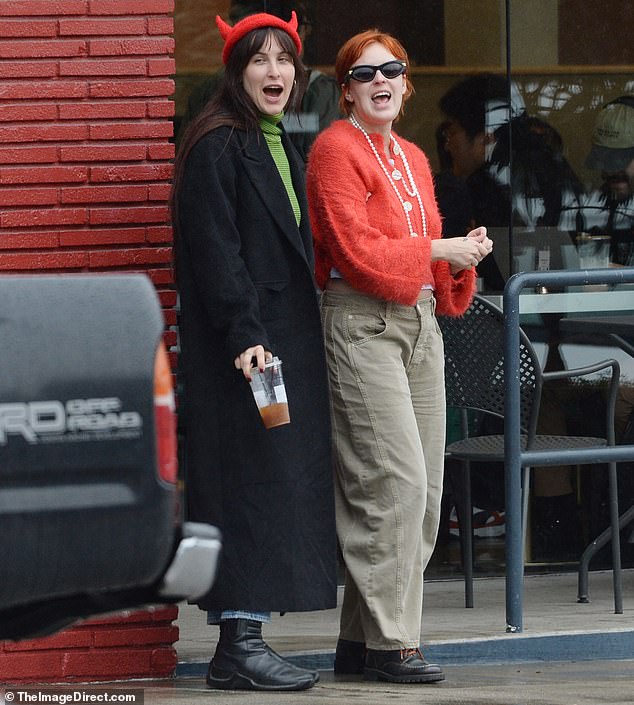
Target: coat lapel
299	180
264	176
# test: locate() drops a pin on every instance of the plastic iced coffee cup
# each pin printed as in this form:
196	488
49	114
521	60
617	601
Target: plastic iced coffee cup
270	394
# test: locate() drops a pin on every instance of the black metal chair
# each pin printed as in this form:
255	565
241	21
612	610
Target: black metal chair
474	378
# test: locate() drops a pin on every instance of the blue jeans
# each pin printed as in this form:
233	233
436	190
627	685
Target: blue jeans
217	616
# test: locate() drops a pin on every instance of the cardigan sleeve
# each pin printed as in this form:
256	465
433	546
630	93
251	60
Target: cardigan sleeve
372	259
209	238
453	293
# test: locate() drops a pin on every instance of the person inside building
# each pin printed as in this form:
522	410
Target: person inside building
611	211
244	264
320	104
485	131
384	271
473	109
515	172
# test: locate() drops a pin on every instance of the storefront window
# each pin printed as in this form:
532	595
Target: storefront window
545	160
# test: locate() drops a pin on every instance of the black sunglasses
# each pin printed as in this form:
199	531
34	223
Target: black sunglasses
366	73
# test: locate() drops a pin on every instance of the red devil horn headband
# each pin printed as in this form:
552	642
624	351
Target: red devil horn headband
234	34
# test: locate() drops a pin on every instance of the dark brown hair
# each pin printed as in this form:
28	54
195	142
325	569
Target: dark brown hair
232	106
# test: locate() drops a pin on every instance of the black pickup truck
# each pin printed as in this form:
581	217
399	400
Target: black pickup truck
89	511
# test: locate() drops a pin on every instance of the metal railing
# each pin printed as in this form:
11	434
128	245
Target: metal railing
515	459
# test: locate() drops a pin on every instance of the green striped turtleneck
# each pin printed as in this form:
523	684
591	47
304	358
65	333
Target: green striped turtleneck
273	136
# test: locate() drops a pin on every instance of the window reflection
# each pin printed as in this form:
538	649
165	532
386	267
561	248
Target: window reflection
545	163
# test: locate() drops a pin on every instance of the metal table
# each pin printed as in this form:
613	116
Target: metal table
616	328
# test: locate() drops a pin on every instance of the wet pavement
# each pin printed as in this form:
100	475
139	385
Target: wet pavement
568	653
558	683
556	627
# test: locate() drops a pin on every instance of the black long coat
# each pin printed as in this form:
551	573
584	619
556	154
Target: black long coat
245	277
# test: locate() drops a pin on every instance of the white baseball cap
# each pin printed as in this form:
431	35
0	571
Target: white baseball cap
613	136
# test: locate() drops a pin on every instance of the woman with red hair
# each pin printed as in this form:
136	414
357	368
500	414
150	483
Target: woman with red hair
384	271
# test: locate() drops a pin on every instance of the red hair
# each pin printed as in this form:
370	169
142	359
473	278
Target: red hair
350	52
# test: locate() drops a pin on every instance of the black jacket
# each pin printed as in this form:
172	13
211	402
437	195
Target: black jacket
245	276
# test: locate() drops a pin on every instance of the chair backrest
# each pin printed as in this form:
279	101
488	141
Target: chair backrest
474	364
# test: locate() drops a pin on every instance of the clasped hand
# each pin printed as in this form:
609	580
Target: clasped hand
463	252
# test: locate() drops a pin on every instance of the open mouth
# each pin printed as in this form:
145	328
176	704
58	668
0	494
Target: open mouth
381	97
273	91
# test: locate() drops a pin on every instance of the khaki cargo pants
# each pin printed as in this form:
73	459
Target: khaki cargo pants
386	371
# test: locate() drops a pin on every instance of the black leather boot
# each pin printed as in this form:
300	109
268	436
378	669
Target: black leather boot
349	657
243	661
400	666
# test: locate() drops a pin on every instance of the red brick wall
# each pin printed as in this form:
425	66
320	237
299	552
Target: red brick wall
85	166
139	645
85	123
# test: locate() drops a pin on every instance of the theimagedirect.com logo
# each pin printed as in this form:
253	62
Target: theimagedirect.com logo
65	696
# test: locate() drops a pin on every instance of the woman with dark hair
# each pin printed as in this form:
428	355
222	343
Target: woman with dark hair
244	264
385	270
319	104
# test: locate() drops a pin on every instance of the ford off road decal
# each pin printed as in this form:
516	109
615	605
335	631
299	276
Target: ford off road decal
54	421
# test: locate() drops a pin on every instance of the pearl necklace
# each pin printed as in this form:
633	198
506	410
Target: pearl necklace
411	190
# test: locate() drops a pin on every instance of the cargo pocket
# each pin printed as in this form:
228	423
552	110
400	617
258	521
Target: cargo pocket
362	327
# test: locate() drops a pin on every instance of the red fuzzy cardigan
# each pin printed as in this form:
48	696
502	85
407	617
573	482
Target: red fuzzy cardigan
360	229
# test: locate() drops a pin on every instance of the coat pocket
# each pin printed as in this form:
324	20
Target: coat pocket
271	298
